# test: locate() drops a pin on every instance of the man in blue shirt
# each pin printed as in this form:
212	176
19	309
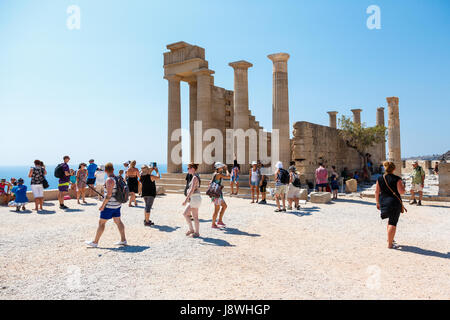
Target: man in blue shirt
92	168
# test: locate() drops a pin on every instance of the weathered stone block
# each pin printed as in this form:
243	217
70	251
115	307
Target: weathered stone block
303	194
444	179
160	190
351	185
320	197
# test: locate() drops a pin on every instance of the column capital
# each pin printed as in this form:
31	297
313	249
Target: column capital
356	110
380	109
240	64
172	77
393	100
332	113
276	57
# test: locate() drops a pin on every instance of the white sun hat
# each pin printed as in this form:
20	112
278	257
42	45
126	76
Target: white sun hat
218	165
279	165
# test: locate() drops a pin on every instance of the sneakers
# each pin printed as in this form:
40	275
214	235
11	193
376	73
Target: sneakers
278	210
91	244
262	202
413	201
63	207
121	243
298	207
149	223
419	203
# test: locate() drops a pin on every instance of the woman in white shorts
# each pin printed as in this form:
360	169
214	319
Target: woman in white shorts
193	202
37	175
293	194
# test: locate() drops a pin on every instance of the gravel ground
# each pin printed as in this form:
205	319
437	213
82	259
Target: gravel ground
324	251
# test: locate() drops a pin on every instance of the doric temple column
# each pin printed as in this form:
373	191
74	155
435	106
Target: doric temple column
241	110
280	106
394	134
380	122
203	113
356	115
174	121
192	113
333	118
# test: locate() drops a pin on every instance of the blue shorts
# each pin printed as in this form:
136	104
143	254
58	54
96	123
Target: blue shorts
254	183
110	213
235	178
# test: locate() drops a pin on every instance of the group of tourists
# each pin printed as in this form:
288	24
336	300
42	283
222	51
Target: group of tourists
116	190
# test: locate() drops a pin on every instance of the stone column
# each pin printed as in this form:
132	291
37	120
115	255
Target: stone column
241	110
204	112
357	115
333	118
192	113
174	121
394	134
280	106
380	122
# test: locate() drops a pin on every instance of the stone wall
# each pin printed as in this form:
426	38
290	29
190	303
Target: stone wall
427	165
313	143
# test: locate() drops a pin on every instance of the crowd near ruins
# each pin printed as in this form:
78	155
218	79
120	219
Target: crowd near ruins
216	108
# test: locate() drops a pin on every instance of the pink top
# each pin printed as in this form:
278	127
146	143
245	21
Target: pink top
322	175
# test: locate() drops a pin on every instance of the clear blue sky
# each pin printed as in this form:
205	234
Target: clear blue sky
60	89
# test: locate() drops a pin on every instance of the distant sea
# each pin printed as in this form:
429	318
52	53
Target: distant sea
8	172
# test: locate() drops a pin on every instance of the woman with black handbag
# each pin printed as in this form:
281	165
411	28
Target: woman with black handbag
388	193
216	194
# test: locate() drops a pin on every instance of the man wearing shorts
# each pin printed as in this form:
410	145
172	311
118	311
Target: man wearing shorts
417	183
91	168
110	209
64	182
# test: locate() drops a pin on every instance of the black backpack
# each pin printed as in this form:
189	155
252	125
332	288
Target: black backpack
122	192
296	182
59	171
284	176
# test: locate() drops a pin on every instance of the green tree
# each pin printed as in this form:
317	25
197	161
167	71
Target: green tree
360	137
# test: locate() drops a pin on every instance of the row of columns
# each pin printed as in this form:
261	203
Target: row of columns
357	117
280	104
394	152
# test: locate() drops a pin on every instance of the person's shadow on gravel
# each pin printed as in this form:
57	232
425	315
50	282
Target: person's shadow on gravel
216	242
22	211
44	212
128	249
238	232
165	228
424	252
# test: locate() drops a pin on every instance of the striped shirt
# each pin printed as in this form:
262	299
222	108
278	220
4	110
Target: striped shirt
112	203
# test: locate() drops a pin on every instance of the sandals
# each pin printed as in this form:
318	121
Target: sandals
189	233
